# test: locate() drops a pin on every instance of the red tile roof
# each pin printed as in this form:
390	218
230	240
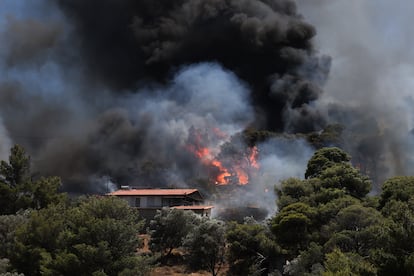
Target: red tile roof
153	192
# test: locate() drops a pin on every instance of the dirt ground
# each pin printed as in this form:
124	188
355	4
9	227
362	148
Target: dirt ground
180	270
177	270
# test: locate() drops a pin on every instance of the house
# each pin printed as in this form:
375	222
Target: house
148	201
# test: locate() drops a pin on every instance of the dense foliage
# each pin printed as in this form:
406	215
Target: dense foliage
18	188
97	236
205	245
169	228
42	233
251	248
326	224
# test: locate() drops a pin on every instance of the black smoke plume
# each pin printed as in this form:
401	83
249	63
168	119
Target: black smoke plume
265	43
109	91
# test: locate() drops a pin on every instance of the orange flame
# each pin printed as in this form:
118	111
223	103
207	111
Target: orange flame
203	153
238	172
254	152
242	176
223	177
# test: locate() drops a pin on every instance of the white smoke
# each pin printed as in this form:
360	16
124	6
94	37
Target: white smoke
5	142
200	95
372	73
279	159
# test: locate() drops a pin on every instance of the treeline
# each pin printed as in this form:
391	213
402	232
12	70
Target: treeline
43	232
326	224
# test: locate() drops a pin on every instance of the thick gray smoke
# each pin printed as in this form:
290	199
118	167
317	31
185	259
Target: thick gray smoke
281	159
371	87
126	92
103	92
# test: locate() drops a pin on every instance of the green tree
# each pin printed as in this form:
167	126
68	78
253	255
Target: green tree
8	226
344	176
37	238
396	253
17	188
205	245
329	210
325	158
307	263
347	264
330	136
17	170
397	205
357	229
14	178
169	228
96	236
251	247
293	226
399	188
5	269
294	190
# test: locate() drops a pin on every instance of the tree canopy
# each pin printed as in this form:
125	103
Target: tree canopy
19	190
326	224
331	217
97	235
169	228
325	158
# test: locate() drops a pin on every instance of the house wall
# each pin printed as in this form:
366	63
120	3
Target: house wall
144	201
151	201
157	201
148	205
129	199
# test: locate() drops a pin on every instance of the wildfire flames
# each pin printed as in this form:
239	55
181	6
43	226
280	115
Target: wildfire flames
234	169
224	175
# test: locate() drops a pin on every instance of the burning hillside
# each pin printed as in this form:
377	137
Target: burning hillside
227	162
123	95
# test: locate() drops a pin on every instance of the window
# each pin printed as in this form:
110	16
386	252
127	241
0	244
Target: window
137	202
152	202
166	202
169	202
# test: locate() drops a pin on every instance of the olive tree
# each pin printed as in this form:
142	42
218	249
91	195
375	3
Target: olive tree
205	245
169	228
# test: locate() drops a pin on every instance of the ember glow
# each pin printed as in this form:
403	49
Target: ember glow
250	166
234	169
254	152
223	177
241	176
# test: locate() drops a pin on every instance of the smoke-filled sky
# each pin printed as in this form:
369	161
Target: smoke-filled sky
97	90
371	86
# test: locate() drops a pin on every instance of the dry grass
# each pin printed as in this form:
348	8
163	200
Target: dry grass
182	270
177	270
145	246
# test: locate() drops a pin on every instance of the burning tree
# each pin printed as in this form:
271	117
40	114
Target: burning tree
229	161
241	160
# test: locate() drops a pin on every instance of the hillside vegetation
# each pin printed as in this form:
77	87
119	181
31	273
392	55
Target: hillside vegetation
326	224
